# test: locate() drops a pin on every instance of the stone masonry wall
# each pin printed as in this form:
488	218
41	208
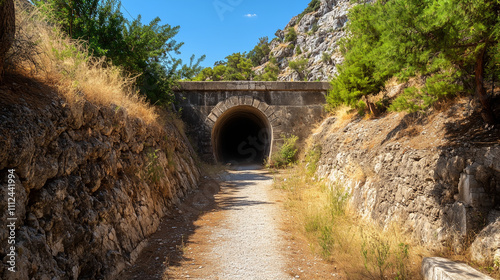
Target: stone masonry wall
91	183
291	107
414	171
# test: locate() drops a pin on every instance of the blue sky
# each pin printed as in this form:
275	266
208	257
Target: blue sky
217	28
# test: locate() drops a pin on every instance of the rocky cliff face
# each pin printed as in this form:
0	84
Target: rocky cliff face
89	182
438	176
318	35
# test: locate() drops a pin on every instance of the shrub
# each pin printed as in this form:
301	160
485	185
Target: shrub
299	66
291	35
271	71
437	87
326	58
298	50
287	153
314	28
312	7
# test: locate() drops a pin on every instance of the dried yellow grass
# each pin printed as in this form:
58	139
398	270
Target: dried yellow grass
67	65
323	216
343	114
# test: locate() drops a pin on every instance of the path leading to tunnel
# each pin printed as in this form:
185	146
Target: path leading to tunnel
248	244
235	232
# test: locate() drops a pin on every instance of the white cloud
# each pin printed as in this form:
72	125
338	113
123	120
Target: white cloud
250	15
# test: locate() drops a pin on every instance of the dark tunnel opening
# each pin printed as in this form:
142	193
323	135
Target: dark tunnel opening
241	135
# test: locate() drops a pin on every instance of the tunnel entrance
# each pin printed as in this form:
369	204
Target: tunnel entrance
242	134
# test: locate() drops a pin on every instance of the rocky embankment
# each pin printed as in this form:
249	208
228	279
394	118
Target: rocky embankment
90	183
438	175
317	40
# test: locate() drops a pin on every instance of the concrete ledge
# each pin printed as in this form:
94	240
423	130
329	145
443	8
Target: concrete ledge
253	86
444	269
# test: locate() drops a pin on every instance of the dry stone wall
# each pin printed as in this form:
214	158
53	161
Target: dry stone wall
91	183
407	172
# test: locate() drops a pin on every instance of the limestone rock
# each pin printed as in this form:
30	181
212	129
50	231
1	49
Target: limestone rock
440	195
318	34
486	247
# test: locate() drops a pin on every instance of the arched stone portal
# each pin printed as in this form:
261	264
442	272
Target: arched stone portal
241	130
242	135
221	116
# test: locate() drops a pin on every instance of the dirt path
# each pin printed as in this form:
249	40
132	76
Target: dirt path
248	245
232	230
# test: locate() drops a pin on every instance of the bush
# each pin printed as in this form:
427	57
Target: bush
312	7
286	154
271	71
299	66
291	35
298	50
437	87
326	58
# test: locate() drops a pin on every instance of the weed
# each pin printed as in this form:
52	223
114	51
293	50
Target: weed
312	158
323	215
286	154
154	169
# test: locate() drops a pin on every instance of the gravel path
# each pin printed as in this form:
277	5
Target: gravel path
231	228
248	245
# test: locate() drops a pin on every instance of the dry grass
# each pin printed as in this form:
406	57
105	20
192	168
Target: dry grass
343	114
43	51
335	232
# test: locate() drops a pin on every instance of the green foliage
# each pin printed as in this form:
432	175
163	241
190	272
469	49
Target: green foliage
326	57
298	50
444	40
271	71
314	28
287	153
141	49
313	6
379	256
437	87
312	158
291	35
260	51
236	68
154	170
299	66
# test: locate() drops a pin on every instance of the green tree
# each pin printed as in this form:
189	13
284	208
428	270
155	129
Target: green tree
260	51
236	67
146	50
271	71
454	44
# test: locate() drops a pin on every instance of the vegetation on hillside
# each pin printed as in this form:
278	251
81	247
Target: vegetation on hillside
238	66
144	50
311	7
42	50
321	213
453	45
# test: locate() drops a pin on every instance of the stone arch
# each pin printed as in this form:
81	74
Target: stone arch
243	129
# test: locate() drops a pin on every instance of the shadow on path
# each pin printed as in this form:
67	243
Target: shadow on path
166	247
